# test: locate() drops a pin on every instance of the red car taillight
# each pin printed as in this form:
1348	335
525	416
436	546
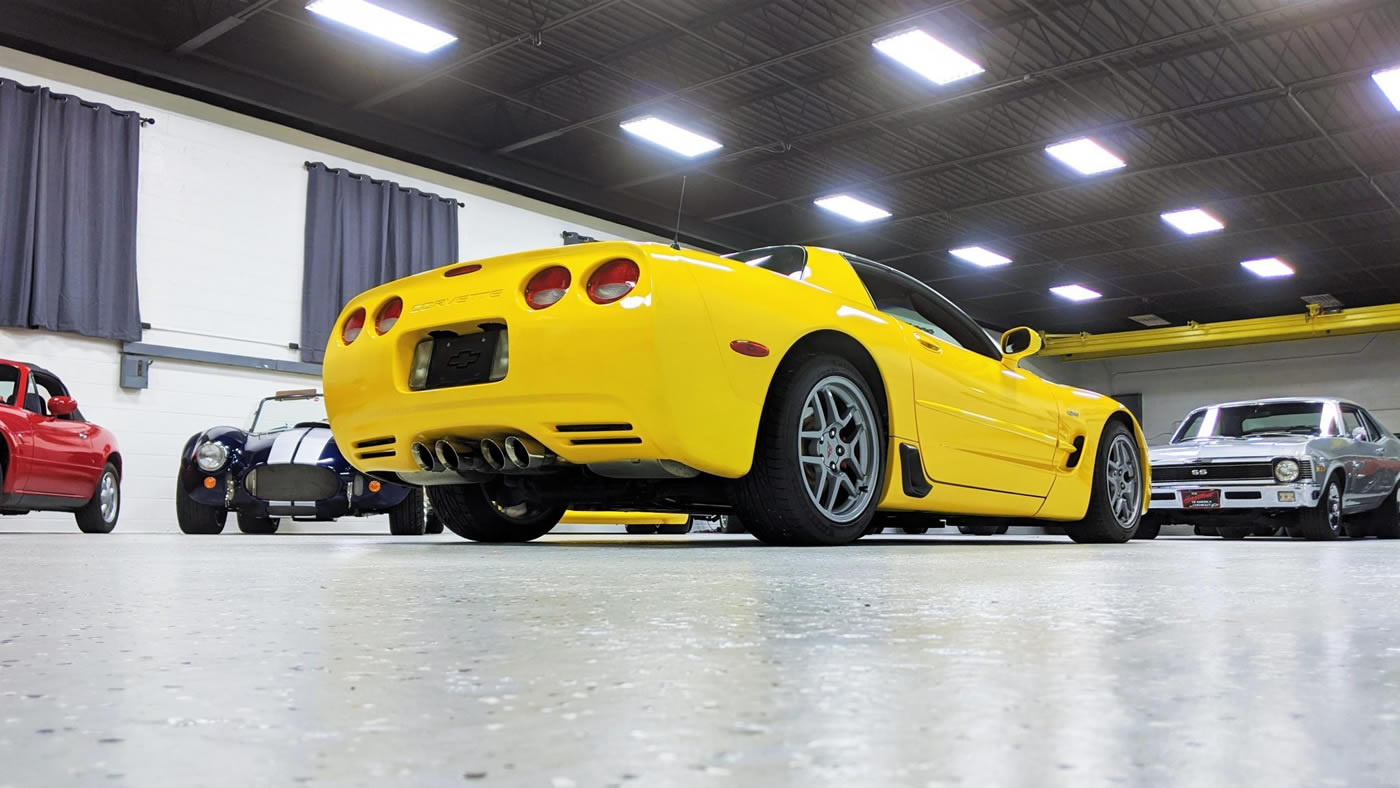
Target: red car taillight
547	287
613	281
354	324
388	315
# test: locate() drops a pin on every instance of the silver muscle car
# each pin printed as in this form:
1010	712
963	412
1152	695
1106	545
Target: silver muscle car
1317	467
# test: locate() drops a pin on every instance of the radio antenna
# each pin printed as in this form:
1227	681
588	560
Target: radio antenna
676	242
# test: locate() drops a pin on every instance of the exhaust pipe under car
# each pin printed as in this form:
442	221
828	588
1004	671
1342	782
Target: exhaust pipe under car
423	457
458	456
519	456
492	454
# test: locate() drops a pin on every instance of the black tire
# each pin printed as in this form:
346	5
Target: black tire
1233	531
470	511
772	498
253	524
914	529
1382	522
195	517
1323	522
983	529
677	528
1100	524
641	529
434	522
1150	527
1205	530
410	517
96	517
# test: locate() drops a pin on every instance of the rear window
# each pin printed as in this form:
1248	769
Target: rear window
789	261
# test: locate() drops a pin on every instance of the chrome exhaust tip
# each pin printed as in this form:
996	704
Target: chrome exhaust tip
423	457
493	455
447	454
517	452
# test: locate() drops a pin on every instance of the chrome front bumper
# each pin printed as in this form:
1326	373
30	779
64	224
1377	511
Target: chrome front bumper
1238	495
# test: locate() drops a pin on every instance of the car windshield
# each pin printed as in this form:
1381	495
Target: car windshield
1246	421
282	413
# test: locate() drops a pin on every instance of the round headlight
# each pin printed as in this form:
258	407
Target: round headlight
211	456
1287	471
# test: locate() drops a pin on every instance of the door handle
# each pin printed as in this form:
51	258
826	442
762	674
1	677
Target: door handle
928	343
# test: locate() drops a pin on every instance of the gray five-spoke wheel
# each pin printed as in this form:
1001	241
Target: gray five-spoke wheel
109	497
837	445
1124	480
1334	507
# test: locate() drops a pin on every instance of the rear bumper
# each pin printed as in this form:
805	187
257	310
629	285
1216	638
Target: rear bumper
1262	495
641	378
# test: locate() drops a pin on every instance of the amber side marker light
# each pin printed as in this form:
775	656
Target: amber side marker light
746	348
463	269
374	486
209	482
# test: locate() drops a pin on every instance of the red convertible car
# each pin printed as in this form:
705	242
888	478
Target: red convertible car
51	458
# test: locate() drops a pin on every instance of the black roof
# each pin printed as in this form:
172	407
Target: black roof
1260	110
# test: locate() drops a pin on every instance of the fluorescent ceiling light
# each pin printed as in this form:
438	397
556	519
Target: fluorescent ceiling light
1389	80
670	136
851	208
979	256
1193	221
927	56
1150	320
1268	267
1076	292
383	23
1085	155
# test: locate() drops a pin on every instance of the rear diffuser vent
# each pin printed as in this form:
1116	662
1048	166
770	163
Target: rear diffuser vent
372	442
617	427
604	441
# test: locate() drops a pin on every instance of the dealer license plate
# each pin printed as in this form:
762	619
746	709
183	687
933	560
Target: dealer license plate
1200	499
462	360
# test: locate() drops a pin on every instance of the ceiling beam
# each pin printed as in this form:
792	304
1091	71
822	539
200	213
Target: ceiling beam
223	26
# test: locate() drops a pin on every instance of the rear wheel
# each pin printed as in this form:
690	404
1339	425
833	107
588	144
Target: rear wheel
1382	522
253	524
819	458
99	514
677	528
410	517
493	512
1115	505
1233	531
641	529
1150	527
983	529
1324	521
195	517
1205	530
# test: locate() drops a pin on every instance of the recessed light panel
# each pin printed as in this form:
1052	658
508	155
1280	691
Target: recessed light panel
1085	156
1150	320
1389	81
1193	221
1268	267
1076	292
383	23
670	136
979	256
928	57
853	209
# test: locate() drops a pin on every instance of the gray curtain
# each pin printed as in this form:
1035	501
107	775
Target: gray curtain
361	233
68	180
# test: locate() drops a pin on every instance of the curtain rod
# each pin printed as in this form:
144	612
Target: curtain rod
145	121
400	187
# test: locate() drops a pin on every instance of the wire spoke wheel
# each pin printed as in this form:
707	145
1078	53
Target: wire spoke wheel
837	448
1124	479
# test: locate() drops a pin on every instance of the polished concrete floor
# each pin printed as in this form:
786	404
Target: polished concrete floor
704	660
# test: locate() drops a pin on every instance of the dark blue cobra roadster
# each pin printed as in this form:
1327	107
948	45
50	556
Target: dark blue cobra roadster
285	465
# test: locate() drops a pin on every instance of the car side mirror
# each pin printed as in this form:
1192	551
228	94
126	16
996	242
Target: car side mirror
1019	343
62	406
1360	434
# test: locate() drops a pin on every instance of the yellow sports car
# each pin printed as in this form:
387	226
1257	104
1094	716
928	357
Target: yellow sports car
804	389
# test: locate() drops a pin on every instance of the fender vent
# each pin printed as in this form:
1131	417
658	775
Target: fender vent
372	442
1073	460
375	455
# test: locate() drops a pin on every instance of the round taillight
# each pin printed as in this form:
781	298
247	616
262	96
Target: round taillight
354	324
613	281
388	315
547	287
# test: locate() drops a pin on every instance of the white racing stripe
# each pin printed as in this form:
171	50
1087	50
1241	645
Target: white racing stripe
284	446
309	453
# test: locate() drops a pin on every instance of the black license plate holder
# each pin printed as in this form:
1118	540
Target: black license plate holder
462	360
1200	499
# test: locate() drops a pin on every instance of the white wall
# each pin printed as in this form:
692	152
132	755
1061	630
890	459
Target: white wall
1364	368
219	247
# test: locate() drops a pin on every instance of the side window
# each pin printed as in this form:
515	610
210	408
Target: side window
789	261
898	300
910	301
33	401
1351	422
9	384
1377	431
46	388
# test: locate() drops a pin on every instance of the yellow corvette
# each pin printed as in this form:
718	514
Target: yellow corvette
806	390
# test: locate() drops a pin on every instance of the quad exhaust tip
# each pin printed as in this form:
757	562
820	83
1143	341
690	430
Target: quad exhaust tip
447	454
494	456
423	457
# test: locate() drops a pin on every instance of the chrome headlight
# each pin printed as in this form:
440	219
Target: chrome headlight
1287	471
211	456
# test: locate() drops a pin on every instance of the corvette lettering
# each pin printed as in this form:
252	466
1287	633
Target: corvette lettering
461	299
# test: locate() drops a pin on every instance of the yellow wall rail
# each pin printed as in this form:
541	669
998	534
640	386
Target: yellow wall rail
1198	336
